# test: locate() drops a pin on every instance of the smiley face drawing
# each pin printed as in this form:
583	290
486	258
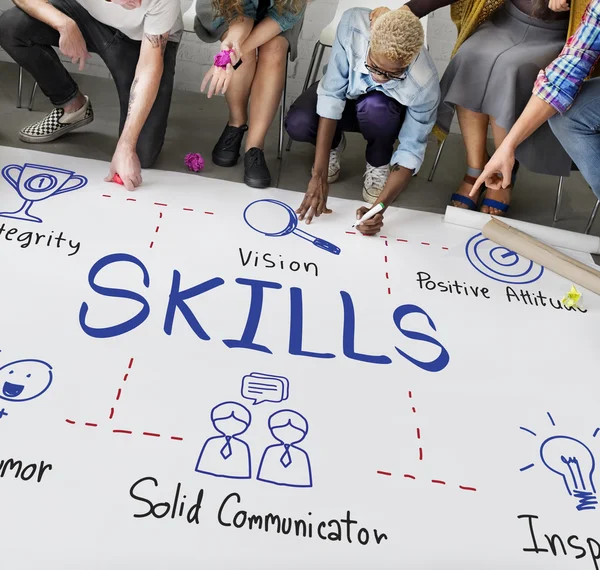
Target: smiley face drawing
24	380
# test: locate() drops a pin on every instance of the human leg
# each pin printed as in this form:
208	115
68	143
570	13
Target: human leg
379	119
578	130
473	127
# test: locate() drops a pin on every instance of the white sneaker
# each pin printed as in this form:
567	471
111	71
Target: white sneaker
335	156
375	179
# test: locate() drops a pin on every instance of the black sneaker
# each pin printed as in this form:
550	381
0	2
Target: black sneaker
256	171
227	149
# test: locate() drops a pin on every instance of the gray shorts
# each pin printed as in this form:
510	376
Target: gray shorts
204	26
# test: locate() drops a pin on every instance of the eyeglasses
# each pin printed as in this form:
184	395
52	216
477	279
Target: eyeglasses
389	76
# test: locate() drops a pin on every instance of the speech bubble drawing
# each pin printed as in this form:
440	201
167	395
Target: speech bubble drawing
260	388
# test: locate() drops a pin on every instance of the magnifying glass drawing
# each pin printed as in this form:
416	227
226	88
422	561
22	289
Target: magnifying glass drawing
273	218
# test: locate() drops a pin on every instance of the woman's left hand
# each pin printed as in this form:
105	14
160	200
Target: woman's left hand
559	5
221	77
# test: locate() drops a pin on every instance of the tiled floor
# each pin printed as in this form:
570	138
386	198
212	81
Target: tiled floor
196	123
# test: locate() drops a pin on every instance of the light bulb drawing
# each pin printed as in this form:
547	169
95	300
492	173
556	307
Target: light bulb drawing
573	462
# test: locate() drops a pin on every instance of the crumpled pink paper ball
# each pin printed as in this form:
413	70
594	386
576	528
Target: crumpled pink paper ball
223	58
194	161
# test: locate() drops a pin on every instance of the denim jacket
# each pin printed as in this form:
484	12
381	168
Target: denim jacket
347	78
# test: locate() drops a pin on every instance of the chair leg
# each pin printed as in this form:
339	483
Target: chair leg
592	217
437	160
282	112
309	73
19	87
559	194
33	91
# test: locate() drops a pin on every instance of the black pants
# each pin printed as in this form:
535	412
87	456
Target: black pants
29	42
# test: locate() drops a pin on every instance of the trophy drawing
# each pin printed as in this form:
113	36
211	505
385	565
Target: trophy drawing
34	183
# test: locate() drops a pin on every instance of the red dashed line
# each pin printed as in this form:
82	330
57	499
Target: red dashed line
436	481
160	214
159	204
132	199
156	230
387	275
414	410
410	394
383	237
210	213
389	291
118	394
130	363
188	209
418	433
403	240
106	196
129	432
385	258
151	244
125	377
420	454
112	413
425	243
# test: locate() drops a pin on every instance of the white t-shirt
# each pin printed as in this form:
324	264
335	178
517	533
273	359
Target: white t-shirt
154	17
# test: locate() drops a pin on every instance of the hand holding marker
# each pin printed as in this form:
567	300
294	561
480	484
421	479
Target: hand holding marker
370	214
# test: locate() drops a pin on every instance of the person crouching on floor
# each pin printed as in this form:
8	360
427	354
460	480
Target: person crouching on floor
381	82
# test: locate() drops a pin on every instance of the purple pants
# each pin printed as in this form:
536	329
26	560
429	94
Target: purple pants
375	115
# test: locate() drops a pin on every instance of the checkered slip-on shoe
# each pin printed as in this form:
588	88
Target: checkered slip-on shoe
57	123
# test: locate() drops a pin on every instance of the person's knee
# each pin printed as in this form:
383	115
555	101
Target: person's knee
380	112
13	26
297	124
148	154
274	51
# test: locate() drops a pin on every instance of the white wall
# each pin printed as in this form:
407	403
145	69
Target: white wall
195	57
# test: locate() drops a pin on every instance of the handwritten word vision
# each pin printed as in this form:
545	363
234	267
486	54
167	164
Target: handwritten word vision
231	515
259	293
26	239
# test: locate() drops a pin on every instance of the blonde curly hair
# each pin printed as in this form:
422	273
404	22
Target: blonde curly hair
232	9
398	36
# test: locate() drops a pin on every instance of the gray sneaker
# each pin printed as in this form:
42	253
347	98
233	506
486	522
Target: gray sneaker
57	123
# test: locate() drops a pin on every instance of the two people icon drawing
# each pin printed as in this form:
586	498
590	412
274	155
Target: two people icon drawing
228	455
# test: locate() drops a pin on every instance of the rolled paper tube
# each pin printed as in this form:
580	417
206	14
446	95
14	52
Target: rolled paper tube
552	236
223	58
542	254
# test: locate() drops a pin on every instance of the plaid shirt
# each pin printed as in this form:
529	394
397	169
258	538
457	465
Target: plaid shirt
559	84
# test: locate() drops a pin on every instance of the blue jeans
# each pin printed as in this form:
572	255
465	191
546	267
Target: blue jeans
578	130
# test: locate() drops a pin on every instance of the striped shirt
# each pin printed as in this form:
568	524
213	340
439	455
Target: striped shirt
559	84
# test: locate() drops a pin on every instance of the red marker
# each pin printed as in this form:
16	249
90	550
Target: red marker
117	179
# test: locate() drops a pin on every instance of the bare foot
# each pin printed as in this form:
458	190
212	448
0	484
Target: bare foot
463	190
75	104
502	195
